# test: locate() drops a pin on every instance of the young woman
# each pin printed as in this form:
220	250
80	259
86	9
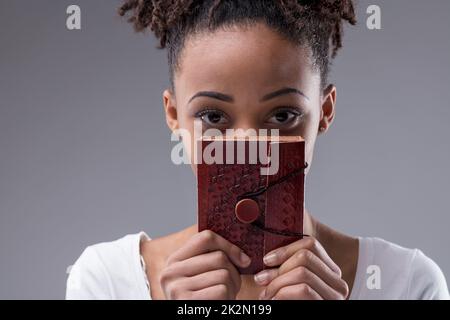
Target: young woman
224	57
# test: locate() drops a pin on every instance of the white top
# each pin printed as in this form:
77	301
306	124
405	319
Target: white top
114	270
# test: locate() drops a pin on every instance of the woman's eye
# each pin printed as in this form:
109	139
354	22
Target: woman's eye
283	117
213	117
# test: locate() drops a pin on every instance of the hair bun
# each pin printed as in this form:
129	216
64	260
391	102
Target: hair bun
158	16
335	11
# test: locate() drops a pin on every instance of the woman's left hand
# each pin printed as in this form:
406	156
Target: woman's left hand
302	271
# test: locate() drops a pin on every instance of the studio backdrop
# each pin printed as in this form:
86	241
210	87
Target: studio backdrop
85	150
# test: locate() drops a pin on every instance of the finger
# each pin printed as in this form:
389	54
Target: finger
207	241
307	259
301	275
203	263
264	277
278	256
297	292
210	279
217	292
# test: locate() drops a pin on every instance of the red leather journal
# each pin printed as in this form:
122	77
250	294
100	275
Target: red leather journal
256	211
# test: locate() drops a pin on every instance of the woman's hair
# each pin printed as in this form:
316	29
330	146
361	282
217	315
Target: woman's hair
315	23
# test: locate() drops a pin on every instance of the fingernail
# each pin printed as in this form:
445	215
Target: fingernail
270	259
245	259
262	277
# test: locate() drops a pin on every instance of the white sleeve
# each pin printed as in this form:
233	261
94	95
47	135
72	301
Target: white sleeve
427	282
88	278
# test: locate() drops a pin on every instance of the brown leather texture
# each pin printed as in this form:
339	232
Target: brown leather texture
221	186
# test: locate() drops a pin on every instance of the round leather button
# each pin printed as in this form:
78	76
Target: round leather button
247	210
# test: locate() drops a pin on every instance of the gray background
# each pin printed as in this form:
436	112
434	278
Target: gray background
84	150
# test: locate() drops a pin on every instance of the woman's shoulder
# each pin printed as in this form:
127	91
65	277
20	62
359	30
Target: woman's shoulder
389	271
109	270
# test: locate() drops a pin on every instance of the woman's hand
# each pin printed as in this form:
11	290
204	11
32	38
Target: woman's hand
204	268
303	271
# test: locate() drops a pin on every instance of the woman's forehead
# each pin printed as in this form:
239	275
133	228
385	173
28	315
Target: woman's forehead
256	56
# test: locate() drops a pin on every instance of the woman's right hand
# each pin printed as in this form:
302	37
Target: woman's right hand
204	268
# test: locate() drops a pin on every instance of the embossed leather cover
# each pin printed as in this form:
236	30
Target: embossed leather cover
281	204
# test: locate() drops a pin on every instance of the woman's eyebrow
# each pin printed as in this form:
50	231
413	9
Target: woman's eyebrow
283	91
214	95
227	98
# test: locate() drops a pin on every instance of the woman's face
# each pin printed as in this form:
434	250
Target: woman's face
249	78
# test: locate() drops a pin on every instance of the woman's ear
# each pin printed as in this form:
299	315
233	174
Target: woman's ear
328	109
170	109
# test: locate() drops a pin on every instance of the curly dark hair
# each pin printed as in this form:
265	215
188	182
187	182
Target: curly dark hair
316	23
